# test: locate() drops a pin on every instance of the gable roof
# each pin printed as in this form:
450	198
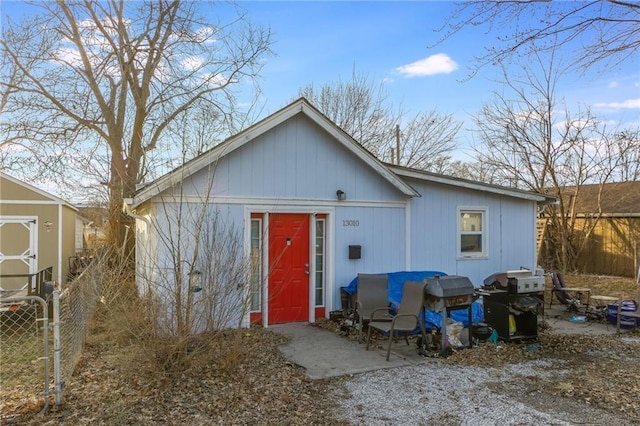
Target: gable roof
615	199
49	198
300	106
470	184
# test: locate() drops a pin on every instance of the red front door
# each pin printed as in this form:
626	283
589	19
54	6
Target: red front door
288	268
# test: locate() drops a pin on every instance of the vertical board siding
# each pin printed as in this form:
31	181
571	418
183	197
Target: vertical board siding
434	217
610	249
297	159
380	233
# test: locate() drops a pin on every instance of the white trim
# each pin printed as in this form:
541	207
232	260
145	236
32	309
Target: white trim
407	235
36	203
52	198
484	210
534	265
312	268
60	224
17	218
265	270
270	208
300	106
275	203
468	184
33	222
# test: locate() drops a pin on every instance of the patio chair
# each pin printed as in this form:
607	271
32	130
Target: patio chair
408	317
629	314
371	294
571	297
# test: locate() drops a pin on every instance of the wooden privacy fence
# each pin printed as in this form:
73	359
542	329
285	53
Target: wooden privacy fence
613	248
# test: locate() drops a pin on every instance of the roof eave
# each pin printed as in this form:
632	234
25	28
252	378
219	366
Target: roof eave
478	186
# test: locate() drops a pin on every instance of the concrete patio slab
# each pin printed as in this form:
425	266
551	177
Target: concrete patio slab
325	354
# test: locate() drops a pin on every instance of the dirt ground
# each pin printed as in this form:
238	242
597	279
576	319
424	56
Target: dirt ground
252	383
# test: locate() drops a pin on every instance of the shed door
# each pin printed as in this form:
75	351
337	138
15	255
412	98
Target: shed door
18	244
288	268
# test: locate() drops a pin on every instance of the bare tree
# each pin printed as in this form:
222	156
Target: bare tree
627	144
600	32
530	140
426	142
362	109
106	81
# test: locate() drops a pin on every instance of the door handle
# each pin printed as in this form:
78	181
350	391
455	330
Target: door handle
306	272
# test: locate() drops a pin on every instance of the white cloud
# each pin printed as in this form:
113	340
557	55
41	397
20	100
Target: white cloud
628	104
192	63
440	63
613	84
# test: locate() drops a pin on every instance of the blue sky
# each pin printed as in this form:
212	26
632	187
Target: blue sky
320	42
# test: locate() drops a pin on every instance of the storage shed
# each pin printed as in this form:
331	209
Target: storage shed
37	231
312	209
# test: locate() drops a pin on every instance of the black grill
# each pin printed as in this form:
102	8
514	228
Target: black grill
444	294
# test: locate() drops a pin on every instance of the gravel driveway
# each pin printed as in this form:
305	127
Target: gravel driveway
462	395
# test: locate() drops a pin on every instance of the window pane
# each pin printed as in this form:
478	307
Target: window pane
471	222
319	263
256	264
471	243
319	297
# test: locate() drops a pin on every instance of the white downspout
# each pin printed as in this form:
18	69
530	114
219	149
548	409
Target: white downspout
60	224
407	235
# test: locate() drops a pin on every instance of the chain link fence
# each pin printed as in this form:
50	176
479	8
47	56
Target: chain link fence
77	303
41	343
24	355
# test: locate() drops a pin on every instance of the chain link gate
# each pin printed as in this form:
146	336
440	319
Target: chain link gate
24	355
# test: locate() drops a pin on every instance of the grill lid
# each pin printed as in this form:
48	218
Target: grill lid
449	286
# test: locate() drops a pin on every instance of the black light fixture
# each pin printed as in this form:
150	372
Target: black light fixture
341	195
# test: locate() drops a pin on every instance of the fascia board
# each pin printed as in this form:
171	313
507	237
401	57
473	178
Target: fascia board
51	197
478	186
163	183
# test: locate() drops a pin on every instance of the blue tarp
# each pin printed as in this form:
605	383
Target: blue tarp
432	319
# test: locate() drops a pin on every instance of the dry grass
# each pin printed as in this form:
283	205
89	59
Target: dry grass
620	287
242	378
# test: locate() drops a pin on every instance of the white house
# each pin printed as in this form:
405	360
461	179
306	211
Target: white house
313	208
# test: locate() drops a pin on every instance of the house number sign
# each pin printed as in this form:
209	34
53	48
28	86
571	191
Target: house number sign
350	222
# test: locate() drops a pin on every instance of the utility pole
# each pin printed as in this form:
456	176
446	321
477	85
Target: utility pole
397	144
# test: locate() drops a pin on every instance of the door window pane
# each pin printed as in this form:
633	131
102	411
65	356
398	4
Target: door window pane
256	264
319	259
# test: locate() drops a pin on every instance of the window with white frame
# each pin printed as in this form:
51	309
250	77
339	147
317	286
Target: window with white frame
472	230
320	258
256	264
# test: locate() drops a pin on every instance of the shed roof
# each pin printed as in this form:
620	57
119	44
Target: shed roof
611	199
47	197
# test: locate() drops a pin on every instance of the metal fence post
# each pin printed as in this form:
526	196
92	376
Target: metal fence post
57	347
